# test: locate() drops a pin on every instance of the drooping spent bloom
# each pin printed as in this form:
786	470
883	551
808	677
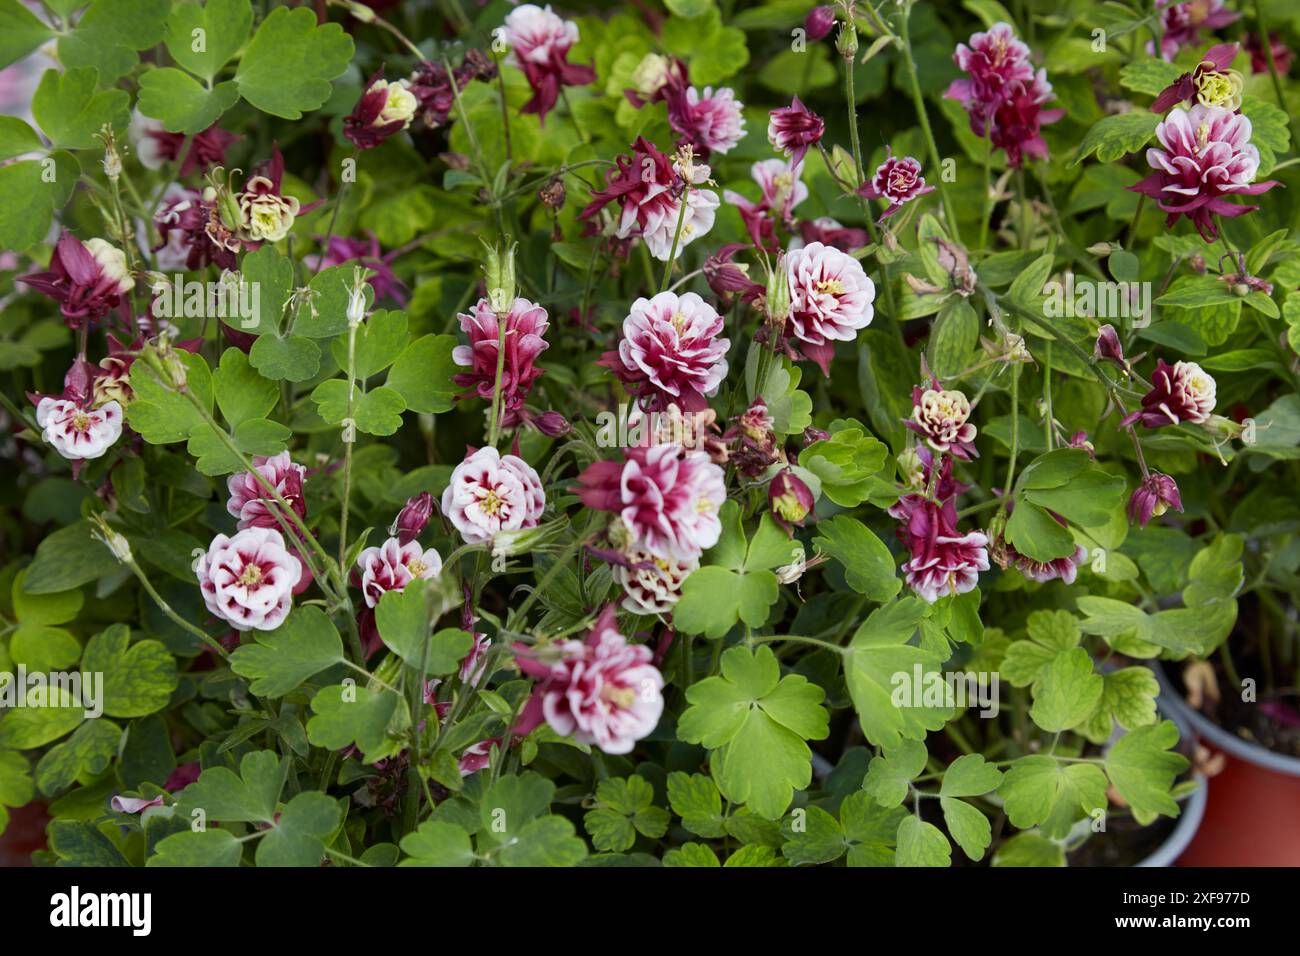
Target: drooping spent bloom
897	180
1181	23
793	129
77	431
671	352
649	193
384	109
413	518
1206	156
1108	346
1210	84
668	498
1182	392
1282	55
248	580
656	77
712	122
782	190
1065	569
942	561
253	505
728	278
651	585
819	22
539	45
789	499
392	566
526	324
266	215
1153	497
490	493
602	691
752	444
368	253
189	225
942	418
87	279
155	146
830	300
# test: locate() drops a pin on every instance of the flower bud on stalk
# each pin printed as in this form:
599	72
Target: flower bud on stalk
499	271
790	499
357	300
847	41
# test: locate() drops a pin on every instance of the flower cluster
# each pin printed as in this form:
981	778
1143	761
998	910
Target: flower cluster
523	335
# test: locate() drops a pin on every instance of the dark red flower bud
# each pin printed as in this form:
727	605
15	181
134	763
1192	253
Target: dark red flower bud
1153	497
413	518
819	22
790	499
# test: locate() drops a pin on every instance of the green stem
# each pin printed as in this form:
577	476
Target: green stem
175	618
677	236
493	429
349	439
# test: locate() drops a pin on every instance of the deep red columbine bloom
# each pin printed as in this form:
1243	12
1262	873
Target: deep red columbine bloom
1182	392
819	22
87	279
1205	158
539	45
1282	55
1108	346
526	324
1016	123
192	233
1215	60
897	180
155	146
793	129
790	500
1153	497
943	561
728	278
1065	569
383	109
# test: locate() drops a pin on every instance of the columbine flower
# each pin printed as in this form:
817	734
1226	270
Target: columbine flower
526	324
830	300
671	352
540	42
249	500
265	215
649	195
1066	568
368	253
413	518
656	78
489	493
155	146
383	109
819	22
1206	157
77	431
1016	124
602	691
668	498
710	122
1282	54
1182	392
727	278
392	566
1108	346
790	500
942	418
830	232
651	585
189	225
897	180
1210	84
473	666
793	129
248	579
1181	23
1157	494
782	190
86	279
943	561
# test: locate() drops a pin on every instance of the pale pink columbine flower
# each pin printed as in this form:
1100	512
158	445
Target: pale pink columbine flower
78	432
490	493
248	580
648	192
711	121
526	324
1181	23
1206	157
1182	392
392	566
793	129
942	418
1066	569
830	299
251	503
601	691
651	585
671	352
668	498
897	180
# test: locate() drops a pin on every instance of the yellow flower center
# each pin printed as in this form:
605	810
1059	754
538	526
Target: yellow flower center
1219	89
678	322
491	502
704	505
830	287
251	576
416	566
81	421
621	697
1202	136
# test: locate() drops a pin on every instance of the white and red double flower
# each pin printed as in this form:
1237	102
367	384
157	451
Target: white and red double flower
250	501
602	691
830	299
77	431
248	580
392	565
490	493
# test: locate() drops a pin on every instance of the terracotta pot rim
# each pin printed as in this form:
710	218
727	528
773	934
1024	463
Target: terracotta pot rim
1218	736
1193	808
